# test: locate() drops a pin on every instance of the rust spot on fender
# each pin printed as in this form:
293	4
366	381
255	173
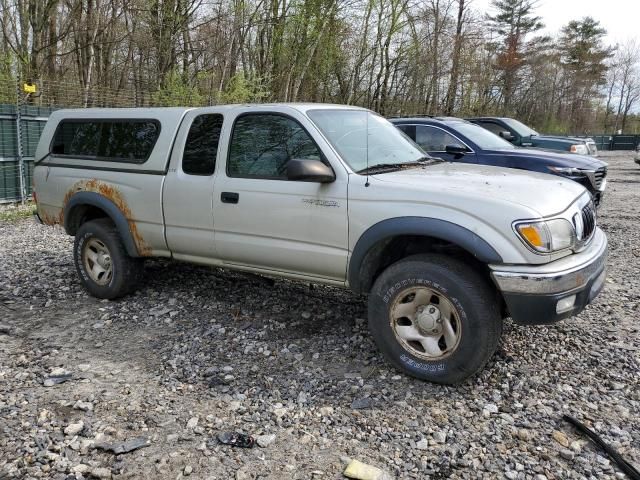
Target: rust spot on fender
113	194
49	218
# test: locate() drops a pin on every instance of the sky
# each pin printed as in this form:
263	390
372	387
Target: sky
621	18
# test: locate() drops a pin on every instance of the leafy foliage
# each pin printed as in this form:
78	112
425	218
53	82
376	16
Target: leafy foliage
177	92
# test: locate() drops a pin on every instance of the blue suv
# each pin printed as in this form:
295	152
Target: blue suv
458	140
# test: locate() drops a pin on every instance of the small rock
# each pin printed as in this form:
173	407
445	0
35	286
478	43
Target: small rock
279	412
188	470
81	468
123	447
567	454
43	416
489	408
576	446
361	471
74	428
422	444
326	411
265	440
192	423
561	438
84	406
242	475
511	474
102	473
440	437
52	380
362	403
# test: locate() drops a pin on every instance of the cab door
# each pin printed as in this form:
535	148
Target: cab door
188	188
267	222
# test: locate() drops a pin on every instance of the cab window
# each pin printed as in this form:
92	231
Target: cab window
201	148
127	140
434	139
494	127
262	144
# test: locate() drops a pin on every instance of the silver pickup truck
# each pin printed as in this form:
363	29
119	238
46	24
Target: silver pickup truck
328	194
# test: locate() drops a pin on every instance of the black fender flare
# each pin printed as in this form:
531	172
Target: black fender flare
94	199
419	226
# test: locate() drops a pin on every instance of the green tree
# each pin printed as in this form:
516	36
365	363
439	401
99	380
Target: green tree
583	56
177	92
241	89
514	22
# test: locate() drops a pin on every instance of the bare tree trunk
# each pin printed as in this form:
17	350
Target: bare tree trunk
455	62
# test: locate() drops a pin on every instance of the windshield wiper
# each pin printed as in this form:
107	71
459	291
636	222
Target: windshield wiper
389	167
430	160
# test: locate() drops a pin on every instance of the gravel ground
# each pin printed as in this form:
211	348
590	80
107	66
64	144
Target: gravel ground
196	352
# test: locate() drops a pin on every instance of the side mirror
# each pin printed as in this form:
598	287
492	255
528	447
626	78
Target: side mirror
457	150
309	171
508	136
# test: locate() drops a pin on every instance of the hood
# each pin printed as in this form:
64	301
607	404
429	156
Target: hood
542	193
552	158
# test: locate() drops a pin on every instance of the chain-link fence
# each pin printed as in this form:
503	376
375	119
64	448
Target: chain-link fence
25	107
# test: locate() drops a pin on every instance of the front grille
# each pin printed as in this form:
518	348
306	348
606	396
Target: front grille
588	221
600	175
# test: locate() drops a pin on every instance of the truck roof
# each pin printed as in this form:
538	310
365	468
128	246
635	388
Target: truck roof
136	111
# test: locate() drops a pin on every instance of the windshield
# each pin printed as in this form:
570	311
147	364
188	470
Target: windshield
483	138
358	134
520	128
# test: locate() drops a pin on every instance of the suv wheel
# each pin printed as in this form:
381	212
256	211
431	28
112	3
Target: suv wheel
104	268
434	318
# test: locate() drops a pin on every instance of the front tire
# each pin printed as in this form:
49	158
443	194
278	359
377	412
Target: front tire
104	268
435	318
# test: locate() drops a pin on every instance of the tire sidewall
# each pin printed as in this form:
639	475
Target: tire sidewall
475	337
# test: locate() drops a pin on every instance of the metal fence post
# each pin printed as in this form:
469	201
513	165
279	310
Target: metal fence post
21	167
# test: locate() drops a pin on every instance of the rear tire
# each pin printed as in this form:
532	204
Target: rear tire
104	268
435	318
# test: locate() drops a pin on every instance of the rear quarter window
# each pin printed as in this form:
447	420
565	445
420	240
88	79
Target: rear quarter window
109	140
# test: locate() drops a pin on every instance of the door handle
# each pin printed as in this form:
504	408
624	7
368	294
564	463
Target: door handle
229	197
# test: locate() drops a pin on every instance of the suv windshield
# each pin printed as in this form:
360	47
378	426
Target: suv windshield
483	138
360	134
520	128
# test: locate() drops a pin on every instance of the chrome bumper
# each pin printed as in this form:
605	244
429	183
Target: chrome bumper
562	276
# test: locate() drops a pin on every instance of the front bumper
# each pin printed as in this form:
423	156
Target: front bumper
543	294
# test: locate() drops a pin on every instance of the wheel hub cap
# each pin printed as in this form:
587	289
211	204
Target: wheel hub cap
96	260
426	323
428	319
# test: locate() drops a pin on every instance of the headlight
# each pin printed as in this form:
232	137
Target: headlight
565	170
580	148
547	236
